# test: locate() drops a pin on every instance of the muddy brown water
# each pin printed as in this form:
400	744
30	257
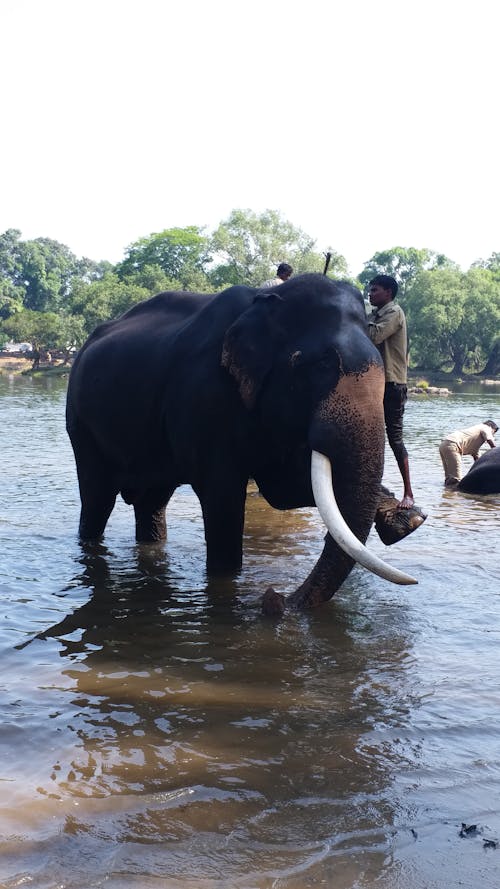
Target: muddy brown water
156	731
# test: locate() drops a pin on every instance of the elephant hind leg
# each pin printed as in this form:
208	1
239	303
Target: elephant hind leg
97	506
150	519
98	489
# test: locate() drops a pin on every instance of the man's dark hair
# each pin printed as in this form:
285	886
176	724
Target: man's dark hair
284	270
387	282
492	424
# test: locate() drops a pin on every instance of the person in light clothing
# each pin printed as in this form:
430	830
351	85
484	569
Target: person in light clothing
283	273
464	442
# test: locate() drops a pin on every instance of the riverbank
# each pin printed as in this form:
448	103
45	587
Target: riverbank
440	384
423	380
14	366
440	378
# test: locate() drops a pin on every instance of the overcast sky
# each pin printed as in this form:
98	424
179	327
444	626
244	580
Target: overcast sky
367	124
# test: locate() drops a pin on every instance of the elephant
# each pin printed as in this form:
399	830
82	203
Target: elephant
282	386
484	475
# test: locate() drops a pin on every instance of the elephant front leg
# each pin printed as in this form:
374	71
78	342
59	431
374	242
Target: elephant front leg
223	507
332	568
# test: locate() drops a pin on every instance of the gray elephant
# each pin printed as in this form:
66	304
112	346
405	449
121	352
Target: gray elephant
282	386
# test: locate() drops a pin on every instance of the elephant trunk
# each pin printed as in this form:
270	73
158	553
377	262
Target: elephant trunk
347	463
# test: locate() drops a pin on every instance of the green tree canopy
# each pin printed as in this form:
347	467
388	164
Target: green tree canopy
181	254
12	285
315	262
248	247
492	366
403	263
453	318
11	298
39	274
493	263
104	299
41	329
47	269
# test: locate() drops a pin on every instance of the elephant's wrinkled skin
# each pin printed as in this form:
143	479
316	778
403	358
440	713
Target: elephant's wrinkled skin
211	390
484	475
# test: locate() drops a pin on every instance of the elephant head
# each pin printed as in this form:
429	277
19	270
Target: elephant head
313	382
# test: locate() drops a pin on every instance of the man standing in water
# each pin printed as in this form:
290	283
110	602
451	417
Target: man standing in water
387	329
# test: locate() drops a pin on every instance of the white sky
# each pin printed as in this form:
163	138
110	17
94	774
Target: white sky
367	124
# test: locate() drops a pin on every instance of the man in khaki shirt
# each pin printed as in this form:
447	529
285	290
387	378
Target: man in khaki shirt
387	329
465	441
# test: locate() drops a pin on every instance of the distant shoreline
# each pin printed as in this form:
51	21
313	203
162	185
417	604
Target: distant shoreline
441	378
14	365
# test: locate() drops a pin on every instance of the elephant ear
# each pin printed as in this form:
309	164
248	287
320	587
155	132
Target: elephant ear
249	346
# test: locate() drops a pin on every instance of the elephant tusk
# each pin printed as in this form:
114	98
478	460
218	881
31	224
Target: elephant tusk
324	496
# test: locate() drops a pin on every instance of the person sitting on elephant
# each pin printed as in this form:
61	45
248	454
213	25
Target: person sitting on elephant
283	273
463	442
387	329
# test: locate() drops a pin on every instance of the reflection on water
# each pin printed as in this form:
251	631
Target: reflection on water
157	731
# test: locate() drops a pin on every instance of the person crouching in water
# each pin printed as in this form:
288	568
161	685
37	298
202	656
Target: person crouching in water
464	442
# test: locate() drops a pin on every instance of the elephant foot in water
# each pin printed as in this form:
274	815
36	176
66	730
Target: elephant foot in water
393	523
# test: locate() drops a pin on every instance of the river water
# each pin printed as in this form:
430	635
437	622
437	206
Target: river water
159	732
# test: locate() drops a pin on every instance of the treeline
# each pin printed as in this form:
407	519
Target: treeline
53	299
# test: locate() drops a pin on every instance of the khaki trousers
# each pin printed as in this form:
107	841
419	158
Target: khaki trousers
452	462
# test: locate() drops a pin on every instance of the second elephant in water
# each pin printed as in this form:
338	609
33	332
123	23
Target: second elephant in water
484	475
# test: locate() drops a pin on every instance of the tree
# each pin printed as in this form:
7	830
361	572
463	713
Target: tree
492	367
435	305
11	298
403	263
182	255
493	263
104	299
47	330
315	262
10	265
39	274
42	329
72	334
12	286
482	319
48	268
453	317
248	247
